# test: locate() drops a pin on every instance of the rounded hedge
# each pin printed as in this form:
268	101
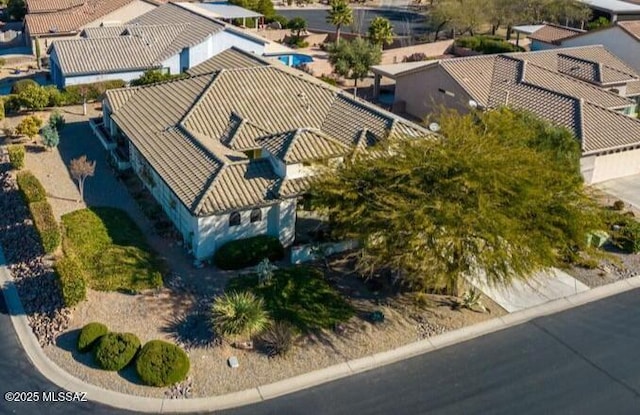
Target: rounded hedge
89	335
248	252
116	350
162	364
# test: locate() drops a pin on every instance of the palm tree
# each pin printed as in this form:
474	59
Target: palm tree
339	14
297	25
238	314
381	31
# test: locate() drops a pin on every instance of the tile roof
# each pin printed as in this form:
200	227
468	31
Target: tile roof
302	144
631	26
143	43
228	59
554	34
190	131
550	84
45	6
71	18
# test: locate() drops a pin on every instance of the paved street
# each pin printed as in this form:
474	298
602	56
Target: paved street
405	23
582	361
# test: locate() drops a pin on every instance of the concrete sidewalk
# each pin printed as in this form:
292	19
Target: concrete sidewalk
544	286
155	405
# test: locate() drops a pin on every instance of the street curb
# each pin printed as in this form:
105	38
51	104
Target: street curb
348	368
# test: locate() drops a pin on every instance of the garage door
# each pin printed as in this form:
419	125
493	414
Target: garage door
597	169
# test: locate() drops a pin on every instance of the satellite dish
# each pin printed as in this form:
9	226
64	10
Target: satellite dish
434	127
473	104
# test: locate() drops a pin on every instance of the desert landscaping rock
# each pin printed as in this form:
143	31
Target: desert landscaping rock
32	272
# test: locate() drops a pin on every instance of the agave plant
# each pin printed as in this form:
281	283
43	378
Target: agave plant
239	314
471	300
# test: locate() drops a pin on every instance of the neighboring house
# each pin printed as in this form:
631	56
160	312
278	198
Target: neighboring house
172	38
614	10
47	20
228	154
587	89
623	39
549	36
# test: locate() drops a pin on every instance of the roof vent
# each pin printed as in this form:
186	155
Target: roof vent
53	29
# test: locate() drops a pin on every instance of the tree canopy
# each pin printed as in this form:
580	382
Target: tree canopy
352	59
466	16
153	76
381	31
297	25
338	15
16	9
499	191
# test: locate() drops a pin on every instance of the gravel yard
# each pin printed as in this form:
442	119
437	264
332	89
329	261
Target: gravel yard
169	314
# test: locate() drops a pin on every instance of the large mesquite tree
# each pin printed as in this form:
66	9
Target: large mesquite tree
497	192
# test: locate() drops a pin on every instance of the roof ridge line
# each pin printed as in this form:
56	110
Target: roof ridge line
201	96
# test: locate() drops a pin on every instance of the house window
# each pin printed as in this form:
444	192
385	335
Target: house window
253	154
256	215
449	93
234	219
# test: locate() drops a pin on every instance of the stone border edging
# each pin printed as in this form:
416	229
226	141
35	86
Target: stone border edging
273	390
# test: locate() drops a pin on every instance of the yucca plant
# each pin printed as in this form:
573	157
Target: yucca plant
238	314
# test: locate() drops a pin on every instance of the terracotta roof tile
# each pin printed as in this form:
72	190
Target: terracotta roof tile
70	20
303	144
553	34
201	121
632	27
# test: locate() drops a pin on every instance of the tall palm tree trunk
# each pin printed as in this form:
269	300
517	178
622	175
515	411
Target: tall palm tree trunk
338	34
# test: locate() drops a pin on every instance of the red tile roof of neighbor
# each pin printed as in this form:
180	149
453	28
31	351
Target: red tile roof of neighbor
70	19
632	27
553	34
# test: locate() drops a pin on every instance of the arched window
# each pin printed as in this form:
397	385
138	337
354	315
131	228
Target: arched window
256	215
234	219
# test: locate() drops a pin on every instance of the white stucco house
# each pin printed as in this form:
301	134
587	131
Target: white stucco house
585	89
229	151
172	38
622	39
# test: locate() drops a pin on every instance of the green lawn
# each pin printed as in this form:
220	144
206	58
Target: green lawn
298	295
112	250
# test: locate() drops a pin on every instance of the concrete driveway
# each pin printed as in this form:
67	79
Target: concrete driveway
541	288
626	189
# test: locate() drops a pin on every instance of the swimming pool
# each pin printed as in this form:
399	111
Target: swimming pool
296	59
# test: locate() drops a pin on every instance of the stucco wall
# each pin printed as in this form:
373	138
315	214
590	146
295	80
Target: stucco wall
87	79
224	40
214	231
421	96
615	40
173	64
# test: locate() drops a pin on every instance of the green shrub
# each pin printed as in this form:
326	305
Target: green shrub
12	104
329	80
238	314
75	94
89	335
71	280
56	97
57	121
248	252
46	225
618	205
486	44
30	187
629	237
16	156
115	351
278	18
278	339
2	109
50	136
162	364
22	85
